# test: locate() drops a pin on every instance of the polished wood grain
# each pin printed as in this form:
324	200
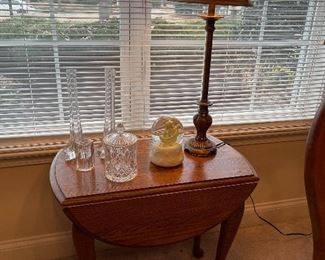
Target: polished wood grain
315	181
160	206
75	186
149	220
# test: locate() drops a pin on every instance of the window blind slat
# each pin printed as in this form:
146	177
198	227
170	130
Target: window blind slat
268	62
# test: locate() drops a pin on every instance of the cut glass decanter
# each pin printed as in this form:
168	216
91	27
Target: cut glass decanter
120	155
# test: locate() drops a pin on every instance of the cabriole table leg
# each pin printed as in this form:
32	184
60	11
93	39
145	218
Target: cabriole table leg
84	244
197	251
228	231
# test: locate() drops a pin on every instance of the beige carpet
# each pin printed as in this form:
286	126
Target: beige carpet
252	243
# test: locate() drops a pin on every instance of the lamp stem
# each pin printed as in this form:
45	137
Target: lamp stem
211	9
207	60
201	145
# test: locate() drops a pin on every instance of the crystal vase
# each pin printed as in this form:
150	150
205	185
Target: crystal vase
109	115
75	123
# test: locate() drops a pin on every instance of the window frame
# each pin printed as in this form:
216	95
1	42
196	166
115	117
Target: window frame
41	148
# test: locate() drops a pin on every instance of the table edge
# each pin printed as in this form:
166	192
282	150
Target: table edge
105	197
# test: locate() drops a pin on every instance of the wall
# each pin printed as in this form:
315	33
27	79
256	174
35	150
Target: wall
30	215
280	167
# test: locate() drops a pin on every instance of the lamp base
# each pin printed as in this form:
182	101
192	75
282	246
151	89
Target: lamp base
200	148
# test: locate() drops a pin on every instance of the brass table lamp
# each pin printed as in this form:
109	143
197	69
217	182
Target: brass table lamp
201	145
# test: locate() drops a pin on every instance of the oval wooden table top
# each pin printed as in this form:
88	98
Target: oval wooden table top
228	167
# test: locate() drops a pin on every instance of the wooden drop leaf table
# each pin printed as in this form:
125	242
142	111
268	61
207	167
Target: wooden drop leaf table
160	206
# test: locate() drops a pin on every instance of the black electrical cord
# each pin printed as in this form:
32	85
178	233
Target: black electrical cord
275	227
222	143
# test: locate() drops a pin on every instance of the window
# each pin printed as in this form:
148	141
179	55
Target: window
268	62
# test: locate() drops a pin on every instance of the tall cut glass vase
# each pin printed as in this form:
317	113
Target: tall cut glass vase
109	115
75	123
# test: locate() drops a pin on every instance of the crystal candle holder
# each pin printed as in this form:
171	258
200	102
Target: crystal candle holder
75	123
109	115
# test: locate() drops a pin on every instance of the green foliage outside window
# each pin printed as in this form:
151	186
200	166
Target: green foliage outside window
41	29
31	28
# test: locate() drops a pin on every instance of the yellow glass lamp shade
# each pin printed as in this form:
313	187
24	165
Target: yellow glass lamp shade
167	150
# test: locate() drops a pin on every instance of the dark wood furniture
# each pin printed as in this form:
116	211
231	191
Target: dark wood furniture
315	181
160	206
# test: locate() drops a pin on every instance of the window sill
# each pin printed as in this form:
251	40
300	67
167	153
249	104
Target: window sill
39	150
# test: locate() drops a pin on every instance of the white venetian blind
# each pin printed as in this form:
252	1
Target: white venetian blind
268	62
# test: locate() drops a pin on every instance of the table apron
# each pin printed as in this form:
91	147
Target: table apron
159	219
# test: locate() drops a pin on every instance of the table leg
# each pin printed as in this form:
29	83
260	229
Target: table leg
84	244
228	232
197	250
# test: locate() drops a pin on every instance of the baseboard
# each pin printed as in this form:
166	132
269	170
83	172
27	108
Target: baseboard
276	211
50	246
60	245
